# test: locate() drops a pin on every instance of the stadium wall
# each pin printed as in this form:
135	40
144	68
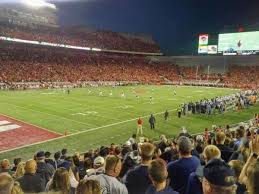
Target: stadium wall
218	64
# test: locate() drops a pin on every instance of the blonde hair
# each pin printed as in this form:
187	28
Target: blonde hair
224	190
252	179
237	166
20	170
147	151
111	162
30	166
6	183
211	152
89	187
61	181
220	137
17	189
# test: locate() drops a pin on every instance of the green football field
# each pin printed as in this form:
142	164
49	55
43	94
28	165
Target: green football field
91	120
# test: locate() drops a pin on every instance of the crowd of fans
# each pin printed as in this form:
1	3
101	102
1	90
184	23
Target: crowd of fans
242	76
221	161
93	39
238	101
48	65
31	63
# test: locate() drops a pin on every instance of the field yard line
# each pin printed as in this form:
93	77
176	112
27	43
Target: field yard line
103	107
81	132
31	124
48	114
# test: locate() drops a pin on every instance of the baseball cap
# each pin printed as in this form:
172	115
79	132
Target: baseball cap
65	165
219	173
99	160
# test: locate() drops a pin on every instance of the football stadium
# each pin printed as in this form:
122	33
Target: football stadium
85	110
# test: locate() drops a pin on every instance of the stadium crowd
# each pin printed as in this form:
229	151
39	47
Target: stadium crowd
221	161
237	101
31	63
85	38
242	76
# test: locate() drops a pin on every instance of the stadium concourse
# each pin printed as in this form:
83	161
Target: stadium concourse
221	161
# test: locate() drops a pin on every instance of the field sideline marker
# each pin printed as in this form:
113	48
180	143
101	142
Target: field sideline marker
77	133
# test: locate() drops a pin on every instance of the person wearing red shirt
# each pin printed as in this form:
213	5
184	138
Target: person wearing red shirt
139	128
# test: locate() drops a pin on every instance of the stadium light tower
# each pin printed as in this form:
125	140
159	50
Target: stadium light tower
38	4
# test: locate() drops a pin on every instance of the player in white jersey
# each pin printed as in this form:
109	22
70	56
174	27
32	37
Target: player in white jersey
111	93
151	99
100	93
122	95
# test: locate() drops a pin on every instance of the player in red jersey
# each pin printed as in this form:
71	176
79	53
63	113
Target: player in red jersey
139	128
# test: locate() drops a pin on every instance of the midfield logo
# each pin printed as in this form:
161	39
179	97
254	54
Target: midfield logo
7	126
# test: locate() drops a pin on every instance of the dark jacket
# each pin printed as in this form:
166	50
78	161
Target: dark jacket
226	152
31	183
45	170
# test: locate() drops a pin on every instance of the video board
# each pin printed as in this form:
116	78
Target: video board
241	43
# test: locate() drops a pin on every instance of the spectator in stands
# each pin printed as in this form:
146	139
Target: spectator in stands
6	183
139	175
16	161
57	160
17	189
31	182
158	174
87	164
179	170
20	170
218	178
98	167
250	172
133	140
226	152
194	185
163	143
48	160
6	167
73	167
252	179
237	166
108	181
243	151
45	170
89	187
130	161
8	186
63	154
240	133
61	182
171	153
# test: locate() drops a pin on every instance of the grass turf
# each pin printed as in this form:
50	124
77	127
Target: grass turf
100	120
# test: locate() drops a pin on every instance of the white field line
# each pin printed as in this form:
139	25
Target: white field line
30	124
53	115
81	132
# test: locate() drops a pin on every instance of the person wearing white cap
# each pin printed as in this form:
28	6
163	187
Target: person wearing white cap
99	165
108	180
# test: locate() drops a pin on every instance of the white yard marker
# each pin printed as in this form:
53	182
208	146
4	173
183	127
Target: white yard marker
8	127
4	122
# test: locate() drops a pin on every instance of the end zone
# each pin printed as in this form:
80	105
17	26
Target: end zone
15	133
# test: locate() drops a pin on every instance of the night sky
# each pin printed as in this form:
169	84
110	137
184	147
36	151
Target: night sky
174	24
